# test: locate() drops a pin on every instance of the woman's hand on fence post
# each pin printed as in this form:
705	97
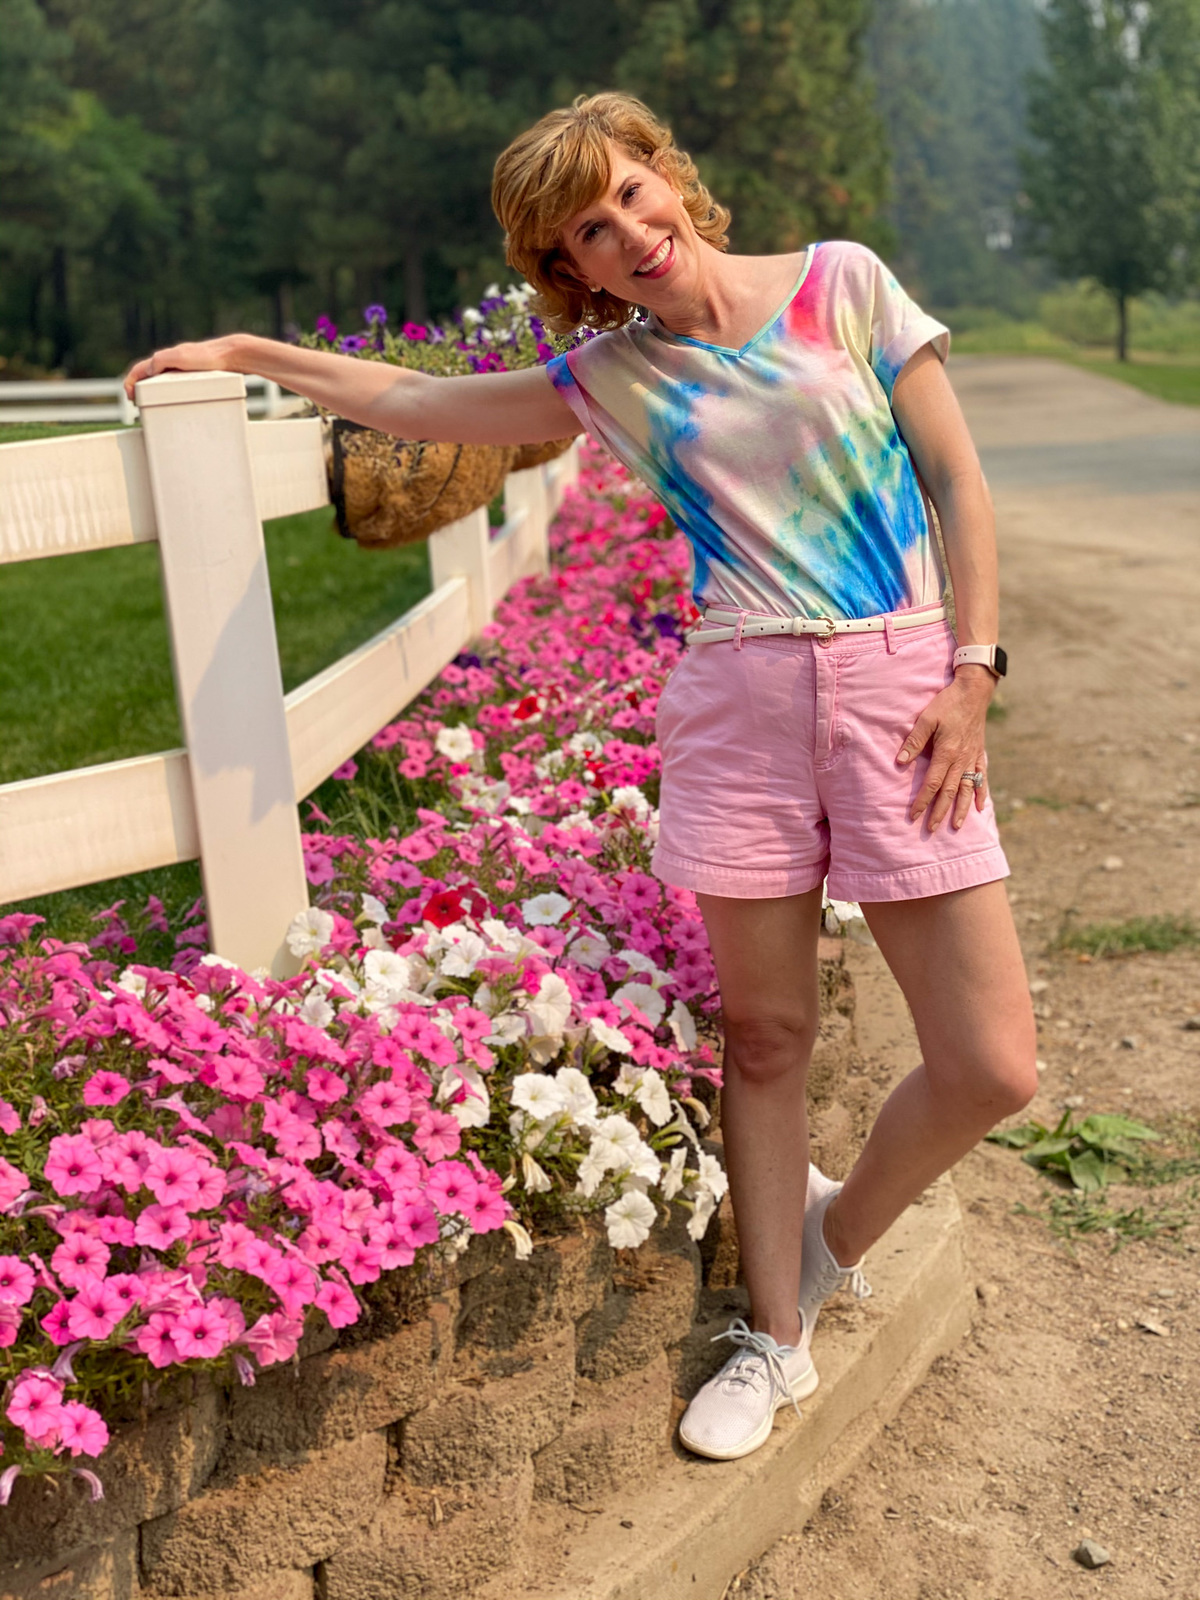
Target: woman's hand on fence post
206	355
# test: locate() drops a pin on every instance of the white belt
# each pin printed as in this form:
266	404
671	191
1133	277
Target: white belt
741	625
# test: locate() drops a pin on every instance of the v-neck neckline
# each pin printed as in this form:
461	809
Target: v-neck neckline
665	334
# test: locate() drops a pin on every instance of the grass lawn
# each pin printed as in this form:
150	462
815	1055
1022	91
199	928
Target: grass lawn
1168	377
85	673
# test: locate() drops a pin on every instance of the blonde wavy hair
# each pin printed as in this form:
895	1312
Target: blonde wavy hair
561	165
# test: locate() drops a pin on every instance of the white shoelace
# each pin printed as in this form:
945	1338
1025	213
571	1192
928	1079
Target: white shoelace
759	1356
833	1277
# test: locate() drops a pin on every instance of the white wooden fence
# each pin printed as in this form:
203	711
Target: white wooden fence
105	400
199	478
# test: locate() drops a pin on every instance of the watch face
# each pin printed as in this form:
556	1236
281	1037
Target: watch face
1000	661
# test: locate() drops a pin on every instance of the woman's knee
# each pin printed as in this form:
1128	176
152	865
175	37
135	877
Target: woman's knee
767	1049
999	1086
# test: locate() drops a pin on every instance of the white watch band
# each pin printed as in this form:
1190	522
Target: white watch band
977	655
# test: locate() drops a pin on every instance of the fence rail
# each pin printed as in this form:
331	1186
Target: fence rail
199	479
40	400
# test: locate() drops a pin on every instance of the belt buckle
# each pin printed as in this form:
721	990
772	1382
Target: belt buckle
830	627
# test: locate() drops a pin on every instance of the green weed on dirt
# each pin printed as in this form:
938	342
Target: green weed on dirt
1134	936
1089	1154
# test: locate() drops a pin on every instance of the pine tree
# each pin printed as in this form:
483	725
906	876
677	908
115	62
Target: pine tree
1114	179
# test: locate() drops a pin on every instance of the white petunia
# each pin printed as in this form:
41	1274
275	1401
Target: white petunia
316	1010
374	910
672	1178
578	819
611	1038
629	798
545	910
591	1173
309	932
519	804
551	1006
629	1220
698	1222
507	1028
471	317
132	982
639	962
579	1099
647	1000
549	763
522	1243
456	744
616	1142
533	1176
385	973
538	1095
590	950
585	744
374	939
463	955
712	1177
651	1094
683	1026
474	1109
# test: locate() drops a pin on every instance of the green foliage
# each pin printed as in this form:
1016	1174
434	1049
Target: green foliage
1114	176
1132	937
1088	1155
771	98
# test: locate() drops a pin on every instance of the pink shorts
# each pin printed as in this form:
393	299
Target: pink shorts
779	769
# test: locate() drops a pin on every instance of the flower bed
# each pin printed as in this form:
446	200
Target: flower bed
500	1023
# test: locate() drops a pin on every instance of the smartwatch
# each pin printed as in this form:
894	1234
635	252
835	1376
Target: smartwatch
991	656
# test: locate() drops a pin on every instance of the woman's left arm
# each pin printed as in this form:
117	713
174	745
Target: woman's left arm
954	721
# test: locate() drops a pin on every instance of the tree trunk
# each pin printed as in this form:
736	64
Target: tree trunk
1122	326
416	307
60	330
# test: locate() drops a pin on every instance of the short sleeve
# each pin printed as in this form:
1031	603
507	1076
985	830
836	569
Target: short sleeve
898	326
568	388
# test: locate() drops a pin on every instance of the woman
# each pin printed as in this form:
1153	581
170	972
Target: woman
787	410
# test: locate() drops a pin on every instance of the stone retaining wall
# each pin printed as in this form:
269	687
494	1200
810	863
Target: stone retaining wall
417	1454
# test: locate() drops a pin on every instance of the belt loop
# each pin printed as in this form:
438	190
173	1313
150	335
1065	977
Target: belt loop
888	634
737	632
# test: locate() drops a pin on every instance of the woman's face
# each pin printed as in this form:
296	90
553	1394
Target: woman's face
636	241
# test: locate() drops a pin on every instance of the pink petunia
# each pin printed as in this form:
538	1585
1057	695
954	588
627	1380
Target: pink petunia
274	1338
128	1288
173	1178
36	1407
324	1086
361	1262
451	1187
56	1324
238	1077
155	1340
338	1304
95	1311
394	1244
437	1135
13	1184
105	1089
294	1283
11	1318
200	1333
322	1241
385	1104
82	1431
420	1220
398	1167
10	1122
159	1226
80	1258
17	1281
488	1210
72	1165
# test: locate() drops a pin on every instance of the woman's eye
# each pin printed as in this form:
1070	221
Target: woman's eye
590	232
632	190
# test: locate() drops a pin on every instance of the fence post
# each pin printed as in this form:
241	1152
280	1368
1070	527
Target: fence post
226	662
461	550
526	491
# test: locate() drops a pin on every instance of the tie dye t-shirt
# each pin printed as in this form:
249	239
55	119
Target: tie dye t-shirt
781	461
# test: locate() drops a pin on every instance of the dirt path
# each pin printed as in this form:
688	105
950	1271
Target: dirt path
1061	1417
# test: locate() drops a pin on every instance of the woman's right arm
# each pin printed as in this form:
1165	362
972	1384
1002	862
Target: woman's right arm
486	408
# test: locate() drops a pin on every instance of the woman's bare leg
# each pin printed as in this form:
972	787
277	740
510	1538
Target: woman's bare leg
957	959
766	958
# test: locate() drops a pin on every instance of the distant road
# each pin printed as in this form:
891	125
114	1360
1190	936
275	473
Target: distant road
1040	424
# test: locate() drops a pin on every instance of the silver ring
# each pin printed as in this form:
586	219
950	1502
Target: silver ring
975	779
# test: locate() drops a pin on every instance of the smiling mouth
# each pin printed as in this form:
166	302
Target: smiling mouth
655	262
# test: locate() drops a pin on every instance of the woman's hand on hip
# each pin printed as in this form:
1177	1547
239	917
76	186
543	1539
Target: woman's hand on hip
952	725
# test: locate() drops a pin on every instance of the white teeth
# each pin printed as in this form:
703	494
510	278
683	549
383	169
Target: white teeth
657	259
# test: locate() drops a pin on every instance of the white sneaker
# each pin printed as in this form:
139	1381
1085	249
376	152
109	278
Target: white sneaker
735	1411
821	1274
